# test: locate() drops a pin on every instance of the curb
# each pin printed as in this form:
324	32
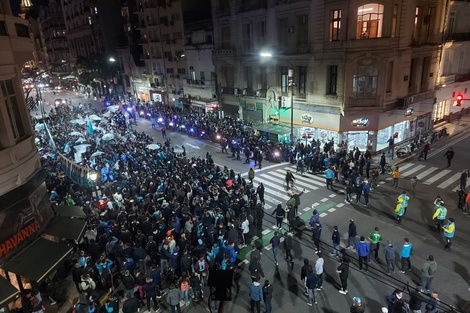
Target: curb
405	159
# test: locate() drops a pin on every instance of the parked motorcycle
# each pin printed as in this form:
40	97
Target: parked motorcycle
403	151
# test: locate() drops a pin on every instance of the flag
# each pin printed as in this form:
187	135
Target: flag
90	128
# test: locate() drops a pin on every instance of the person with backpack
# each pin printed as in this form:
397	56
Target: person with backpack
268	296
104	270
87	284
280	214
314	218
202	267
428	270
184	285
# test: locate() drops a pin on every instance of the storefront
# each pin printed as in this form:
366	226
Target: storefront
252	109
31	230
204	106
158	96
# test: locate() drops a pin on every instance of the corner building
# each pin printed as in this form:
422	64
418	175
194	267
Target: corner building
363	70
26	216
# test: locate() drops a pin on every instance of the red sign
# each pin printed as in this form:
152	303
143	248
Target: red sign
18	238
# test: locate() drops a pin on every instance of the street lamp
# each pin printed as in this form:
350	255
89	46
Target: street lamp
290	81
112	59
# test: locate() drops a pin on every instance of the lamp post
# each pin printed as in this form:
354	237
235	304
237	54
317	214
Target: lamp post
290	82
290	77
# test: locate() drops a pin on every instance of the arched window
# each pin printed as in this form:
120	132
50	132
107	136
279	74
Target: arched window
370	21
365	81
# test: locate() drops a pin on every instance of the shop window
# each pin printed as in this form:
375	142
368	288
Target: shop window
14	114
284	79
302	79
369	21
332	79
365	82
335	25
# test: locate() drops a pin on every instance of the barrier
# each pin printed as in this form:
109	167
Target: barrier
78	174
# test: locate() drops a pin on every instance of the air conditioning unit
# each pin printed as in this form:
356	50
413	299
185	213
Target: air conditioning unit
235	91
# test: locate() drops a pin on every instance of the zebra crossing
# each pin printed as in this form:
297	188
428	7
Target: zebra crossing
431	175
274	185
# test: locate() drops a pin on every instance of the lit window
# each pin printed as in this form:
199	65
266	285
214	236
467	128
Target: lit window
369	21
335	25
284	73
13	109
95	9
89	20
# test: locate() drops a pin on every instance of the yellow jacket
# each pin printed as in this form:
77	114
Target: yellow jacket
395	173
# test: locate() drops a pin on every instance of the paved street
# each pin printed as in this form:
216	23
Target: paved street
452	278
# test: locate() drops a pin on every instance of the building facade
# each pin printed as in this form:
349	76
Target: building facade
200	88
162	40
363	70
53	35
454	73
26	215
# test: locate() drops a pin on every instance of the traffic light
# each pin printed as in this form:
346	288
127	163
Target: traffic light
459	99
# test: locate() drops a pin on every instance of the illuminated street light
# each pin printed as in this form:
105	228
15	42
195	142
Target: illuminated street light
112	59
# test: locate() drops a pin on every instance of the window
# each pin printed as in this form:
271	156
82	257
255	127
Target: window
394	21
22	30
170	71
261	33
282	31
89	20
451	23
302	29
389	76
13	109
202	75
418	12
365	81
428	20
413	68
175	17
181	71
335	25
284	79
178	35
163	20
3	29
249	77
247	36
179	53
168	55
302	79
225	39
332	79
369	21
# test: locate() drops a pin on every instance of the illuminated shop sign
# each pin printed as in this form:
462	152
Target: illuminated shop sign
360	122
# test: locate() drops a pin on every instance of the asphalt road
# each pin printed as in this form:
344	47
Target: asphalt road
452	277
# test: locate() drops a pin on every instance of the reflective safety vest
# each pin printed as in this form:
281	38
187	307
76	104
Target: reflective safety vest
450	227
442	213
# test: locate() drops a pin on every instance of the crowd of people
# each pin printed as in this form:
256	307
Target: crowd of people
160	221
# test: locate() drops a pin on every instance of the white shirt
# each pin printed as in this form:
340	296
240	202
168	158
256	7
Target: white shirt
319	266
246	226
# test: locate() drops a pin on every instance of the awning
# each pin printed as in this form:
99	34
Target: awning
7	291
64	227
38	260
68	211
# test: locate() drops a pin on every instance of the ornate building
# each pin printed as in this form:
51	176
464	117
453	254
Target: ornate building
362	70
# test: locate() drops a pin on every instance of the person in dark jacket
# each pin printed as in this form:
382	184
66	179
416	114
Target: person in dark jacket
304	273
150	293
416	299
129	284
352	233
343	271
316	234
288	247
311	284
279	213
77	273
357	306
267	296
131	305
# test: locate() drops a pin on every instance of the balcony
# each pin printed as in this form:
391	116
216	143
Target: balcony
354	102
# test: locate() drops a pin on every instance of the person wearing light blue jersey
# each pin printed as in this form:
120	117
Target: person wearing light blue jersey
405	255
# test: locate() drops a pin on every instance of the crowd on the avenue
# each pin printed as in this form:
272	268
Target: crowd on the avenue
160	222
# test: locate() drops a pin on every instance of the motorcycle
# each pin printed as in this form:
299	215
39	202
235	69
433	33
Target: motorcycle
403	151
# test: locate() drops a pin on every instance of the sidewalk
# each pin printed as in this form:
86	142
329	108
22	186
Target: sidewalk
454	128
